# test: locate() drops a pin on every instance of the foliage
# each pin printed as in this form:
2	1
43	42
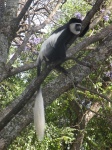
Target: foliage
99	131
10	89
53	140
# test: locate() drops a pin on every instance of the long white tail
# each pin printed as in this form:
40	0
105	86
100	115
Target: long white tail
39	117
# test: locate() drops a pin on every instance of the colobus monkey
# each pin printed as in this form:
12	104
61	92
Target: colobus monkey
54	49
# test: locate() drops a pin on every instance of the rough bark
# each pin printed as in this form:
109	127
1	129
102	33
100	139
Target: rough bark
6	33
11	9
2	8
3	53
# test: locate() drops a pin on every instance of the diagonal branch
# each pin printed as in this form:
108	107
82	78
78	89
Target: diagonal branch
23	11
94	92
92	12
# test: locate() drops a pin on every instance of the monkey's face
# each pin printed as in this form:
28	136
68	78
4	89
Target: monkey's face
75	28
78	27
75	25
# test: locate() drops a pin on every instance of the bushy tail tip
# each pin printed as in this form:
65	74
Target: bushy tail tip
39	117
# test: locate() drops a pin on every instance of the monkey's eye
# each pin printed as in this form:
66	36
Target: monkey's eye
78	27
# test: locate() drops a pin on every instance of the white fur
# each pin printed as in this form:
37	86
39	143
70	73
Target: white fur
39	117
48	44
72	28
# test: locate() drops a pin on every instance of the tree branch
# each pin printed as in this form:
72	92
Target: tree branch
23	11
94	92
11	9
92	12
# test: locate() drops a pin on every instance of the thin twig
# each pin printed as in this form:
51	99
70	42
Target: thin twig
87	89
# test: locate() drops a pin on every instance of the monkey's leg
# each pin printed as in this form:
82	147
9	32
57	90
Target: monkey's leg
61	69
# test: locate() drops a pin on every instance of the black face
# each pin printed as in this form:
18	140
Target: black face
75	25
78	27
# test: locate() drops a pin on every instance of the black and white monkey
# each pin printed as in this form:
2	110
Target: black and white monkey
54	49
